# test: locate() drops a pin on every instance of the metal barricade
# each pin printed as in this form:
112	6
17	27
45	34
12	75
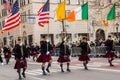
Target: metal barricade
117	50
56	51
75	51
98	51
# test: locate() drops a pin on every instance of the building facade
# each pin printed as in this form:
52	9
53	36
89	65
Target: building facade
30	31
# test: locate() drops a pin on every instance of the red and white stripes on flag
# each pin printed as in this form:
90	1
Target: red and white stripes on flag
12	22
43	18
43	14
6	5
14	19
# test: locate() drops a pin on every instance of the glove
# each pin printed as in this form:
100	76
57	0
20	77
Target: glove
65	39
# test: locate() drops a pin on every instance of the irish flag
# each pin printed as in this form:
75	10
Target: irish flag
81	13
110	16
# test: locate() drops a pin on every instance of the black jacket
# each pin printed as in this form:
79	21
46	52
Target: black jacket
18	52
64	49
109	44
45	46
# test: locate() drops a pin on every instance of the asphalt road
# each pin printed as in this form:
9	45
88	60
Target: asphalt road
77	72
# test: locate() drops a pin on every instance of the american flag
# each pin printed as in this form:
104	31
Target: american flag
43	14
14	19
6	5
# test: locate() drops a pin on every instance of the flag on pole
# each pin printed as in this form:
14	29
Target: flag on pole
80	13
43	14
14	19
60	11
6	5
110	15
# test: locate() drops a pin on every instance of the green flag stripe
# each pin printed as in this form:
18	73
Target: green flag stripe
111	14
85	11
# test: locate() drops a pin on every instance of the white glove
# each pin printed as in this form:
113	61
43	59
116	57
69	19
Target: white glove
47	40
48	53
65	39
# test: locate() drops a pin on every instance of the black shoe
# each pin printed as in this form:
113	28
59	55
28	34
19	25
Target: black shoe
86	68
68	70
24	75
48	70
62	70
111	65
44	73
20	78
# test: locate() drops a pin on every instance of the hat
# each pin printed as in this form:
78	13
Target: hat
109	36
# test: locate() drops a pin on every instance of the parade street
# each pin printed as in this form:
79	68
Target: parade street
98	70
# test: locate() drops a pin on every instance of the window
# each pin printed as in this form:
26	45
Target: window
109	1
78	2
28	12
0	15
43	0
23	17
67	12
3	22
68	2
1	2
82	2
0	26
11	2
28	1
4	12
22	3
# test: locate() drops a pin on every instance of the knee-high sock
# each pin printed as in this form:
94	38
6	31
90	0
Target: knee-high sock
68	64
19	73
61	65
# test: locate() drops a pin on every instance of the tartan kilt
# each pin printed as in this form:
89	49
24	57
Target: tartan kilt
84	57
63	58
19	65
33	53
7	55
44	58
110	54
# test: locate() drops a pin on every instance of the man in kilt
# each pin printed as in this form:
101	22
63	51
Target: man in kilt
64	55
109	43
7	53
85	50
45	55
20	53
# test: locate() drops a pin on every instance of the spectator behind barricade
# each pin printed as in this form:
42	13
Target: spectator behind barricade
118	43
92	44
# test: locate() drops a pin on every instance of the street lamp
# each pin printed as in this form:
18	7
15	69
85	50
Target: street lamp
117	25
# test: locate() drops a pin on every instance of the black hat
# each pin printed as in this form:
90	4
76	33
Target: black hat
84	38
19	39
43	36
109	36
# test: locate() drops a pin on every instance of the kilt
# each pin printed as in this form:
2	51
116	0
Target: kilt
20	64
110	54
44	58
62	59
84	57
7	55
33	53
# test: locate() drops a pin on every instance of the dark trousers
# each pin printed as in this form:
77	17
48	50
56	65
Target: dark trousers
1	60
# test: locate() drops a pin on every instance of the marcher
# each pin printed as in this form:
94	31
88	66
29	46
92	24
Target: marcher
85	50
109	43
45	55
64	55
20	53
7	53
1	60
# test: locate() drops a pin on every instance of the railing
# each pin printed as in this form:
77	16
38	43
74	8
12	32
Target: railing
98	51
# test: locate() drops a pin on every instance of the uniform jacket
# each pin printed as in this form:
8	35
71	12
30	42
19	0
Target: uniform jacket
64	49
18	52
45	46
